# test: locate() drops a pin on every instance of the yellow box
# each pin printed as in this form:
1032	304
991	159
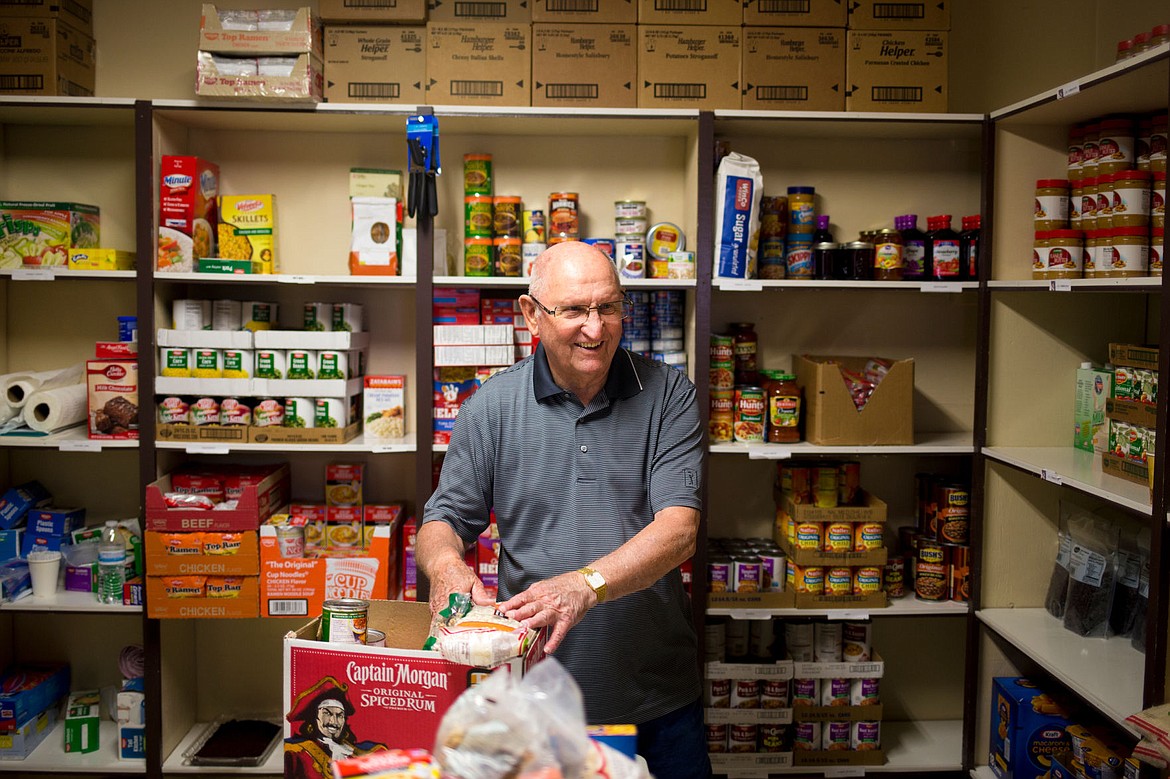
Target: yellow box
101	259
247	231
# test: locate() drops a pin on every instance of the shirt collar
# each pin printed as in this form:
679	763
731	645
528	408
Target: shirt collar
622	381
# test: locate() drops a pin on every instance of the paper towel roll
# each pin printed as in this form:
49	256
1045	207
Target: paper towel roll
48	411
19	386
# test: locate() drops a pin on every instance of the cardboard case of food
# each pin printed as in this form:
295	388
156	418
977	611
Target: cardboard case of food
832	418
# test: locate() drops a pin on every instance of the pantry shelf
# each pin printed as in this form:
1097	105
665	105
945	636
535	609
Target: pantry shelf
928	443
407	443
1074	468
68	601
1137	284
285	278
522	282
50	755
1106	673
73	439
758	285
908	606
55	273
176	763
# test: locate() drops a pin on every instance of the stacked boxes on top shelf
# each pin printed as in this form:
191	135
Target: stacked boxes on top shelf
47	48
270	54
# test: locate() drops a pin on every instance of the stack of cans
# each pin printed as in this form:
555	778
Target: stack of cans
655	327
629	230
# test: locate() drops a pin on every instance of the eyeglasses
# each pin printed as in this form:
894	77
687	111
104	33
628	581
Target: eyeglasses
610	311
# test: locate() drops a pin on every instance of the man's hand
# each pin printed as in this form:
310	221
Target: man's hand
556	604
457	578
440	558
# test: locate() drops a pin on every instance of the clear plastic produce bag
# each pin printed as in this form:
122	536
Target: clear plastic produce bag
1058	584
1092	574
1129	568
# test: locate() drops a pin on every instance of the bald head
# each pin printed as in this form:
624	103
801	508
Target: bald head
562	262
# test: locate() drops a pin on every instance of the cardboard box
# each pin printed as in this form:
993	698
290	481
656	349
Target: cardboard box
511	11
76	13
1026	727
803	13
46	56
302	37
256	504
896	71
399	693
383	64
885	15
751	600
705	12
1134	356
301	435
584	65
811	557
1132	411
188	216
870	509
305	84
113	399
172	554
20	743
1124	468
584	11
243	604
831	418
34	233
298	586
839	757
101	259
1090	430
82	720
373	11
27	689
483	63
689	67
218	434
794	68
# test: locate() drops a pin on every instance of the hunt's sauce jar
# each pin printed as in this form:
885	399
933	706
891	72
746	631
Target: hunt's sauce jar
749	414
722	417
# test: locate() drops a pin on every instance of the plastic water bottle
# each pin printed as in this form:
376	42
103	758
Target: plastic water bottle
111	564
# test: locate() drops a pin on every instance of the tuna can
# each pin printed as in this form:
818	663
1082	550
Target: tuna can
798	639
528	254
855	642
745	694
680	265
343	621
827	642
806	692
630	257
299	412
204	411
225	315
806	736
533	226
774	694
191	314
563	210
866	736
836	735
839	581
835	692
233	411
330	413
718	693
628	209
772	737
746	573
173	411
375	637
838	537
742	738
290	540
664	238
269	364
268	412
717	739
867	580
628	226
317	317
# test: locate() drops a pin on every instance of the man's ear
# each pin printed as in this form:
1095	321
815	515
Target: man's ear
528	308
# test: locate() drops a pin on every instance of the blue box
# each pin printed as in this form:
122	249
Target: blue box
131	742
19	500
1027	729
10	543
14	580
29	689
43	542
54	521
21	742
622	738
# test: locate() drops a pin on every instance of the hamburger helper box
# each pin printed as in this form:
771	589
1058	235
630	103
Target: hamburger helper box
398	693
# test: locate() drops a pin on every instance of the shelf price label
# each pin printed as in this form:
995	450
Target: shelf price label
296	278
751	613
32	274
769	452
739	285
1051	476
851	616
80	446
845	770
1068	90
385	448
940	286
208	449
1060	285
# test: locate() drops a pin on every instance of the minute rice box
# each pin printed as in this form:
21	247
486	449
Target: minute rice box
384	404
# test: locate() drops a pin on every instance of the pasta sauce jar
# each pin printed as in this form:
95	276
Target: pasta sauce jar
784	406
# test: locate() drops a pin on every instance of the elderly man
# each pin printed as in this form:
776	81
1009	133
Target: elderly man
591	458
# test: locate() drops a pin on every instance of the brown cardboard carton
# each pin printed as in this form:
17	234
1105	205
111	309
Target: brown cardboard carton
478	63
1133	356
78	14
305	84
174	597
831	418
375	64
688	66
884	15
584	65
588	11
373	11
803	13
896	71
794	68
512	11
45	56
713	12
302	37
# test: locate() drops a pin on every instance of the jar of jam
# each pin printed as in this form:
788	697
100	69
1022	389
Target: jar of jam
857	261
746	345
784	404
887	258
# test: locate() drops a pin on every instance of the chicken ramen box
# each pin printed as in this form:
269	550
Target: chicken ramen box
299	586
856	401
393	695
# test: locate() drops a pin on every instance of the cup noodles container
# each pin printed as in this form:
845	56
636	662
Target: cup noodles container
112	399
188	218
41	234
384	406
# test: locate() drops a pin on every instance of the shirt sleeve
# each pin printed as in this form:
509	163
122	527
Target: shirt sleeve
677	470
463	498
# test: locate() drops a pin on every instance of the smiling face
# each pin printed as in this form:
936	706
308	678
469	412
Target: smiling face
579	351
330	719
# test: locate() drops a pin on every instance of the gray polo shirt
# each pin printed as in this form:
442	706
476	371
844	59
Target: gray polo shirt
570	484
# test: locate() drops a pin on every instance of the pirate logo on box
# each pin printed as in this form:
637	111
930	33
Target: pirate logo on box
320	717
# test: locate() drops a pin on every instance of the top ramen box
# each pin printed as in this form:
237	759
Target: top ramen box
263	33
397	694
832	418
256	503
34	233
188	216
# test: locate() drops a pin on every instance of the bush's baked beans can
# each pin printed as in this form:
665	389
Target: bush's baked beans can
718	693
849	483
745	694
953	510
748	426
721	423
864	692
838	580
745	573
719	575
867	536
838	537
836	736
809	535
894	577
717	738
772	737
855	642
343	621
835	692
960	590
806	736
931	571
824	486
806	692
810	579
827	642
742	737
866	736
774	694
867	580
563	209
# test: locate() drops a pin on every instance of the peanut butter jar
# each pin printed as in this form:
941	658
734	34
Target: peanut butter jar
1050	211
1131	198
1128	254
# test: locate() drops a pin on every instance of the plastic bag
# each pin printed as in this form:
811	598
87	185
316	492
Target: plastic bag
529	728
1092	574
476	635
738	189
1123	612
1058	584
1137	638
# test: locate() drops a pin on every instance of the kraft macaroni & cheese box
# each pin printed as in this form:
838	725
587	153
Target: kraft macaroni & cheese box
1027	729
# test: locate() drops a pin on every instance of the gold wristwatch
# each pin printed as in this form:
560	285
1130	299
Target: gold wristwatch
595	581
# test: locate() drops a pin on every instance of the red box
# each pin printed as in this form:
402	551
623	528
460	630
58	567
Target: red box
451	315
399	693
456	297
188	218
113	399
256	504
116	350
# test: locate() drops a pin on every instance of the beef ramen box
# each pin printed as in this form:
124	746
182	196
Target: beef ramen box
832	418
398	693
